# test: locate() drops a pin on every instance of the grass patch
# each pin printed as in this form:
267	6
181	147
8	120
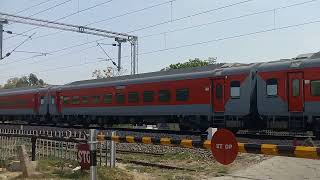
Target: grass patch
106	173
58	168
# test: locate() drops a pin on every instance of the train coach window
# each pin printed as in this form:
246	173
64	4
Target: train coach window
53	100
235	89
133	97
315	88
219	91
84	99
148	96
182	94
65	100
272	87
295	87
75	100
164	95
120	98
42	100
107	98
95	99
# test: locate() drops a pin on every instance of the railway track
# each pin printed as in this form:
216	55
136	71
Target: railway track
260	137
160	131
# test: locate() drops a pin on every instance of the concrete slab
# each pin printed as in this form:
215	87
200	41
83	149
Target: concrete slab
278	168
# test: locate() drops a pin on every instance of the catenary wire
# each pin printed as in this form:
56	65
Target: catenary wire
69	15
193	44
181	29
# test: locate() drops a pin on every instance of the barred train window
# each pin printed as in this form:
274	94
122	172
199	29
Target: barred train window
120	98
164	95
75	100
235	89
133	97
85	99
272	87
182	94
65	100
107	98
95	99
315	88
148	96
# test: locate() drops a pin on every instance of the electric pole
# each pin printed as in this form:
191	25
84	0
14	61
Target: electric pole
2	22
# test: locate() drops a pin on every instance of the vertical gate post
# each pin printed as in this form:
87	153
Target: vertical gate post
33	148
93	154
107	149
113	151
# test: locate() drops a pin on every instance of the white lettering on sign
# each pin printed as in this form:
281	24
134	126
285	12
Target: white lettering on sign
228	146
84	156
224	146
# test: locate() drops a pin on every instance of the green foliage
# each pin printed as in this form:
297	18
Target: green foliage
196	62
24	81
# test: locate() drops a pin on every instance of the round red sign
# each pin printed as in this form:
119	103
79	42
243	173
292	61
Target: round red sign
84	156
224	146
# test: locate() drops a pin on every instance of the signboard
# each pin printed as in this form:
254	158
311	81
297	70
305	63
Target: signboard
224	146
84	156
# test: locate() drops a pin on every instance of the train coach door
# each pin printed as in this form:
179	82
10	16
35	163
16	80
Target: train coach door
295	92
58	102
218	95
36	103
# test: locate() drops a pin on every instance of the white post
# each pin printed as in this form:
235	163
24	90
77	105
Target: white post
113	151
93	154
211	132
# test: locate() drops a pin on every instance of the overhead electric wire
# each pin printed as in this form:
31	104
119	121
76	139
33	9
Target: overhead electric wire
69	15
52	52
130	12
172	20
181	29
33	6
42	11
50	8
230	19
192	15
196	14
110	18
197	43
9	53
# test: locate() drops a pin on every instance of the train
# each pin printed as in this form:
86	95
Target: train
282	95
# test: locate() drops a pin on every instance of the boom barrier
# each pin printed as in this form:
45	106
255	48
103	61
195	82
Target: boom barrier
268	149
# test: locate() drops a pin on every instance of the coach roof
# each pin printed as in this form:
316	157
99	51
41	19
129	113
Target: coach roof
160	76
306	61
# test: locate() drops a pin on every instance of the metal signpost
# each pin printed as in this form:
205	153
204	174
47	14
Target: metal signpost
224	146
84	156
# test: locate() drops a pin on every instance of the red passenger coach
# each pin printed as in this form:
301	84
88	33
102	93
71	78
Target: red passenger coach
279	95
289	93
16	103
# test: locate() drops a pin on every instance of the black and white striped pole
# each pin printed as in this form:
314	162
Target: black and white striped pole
93	154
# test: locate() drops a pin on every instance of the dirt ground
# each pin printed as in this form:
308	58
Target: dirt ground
192	167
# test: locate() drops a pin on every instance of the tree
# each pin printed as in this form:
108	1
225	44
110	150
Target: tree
24	81
107	73
196	62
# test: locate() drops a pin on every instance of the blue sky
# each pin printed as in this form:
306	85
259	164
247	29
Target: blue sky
83	60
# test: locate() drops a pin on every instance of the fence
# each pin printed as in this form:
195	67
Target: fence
63	145
45	144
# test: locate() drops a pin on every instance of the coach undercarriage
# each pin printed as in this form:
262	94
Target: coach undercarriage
297	123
